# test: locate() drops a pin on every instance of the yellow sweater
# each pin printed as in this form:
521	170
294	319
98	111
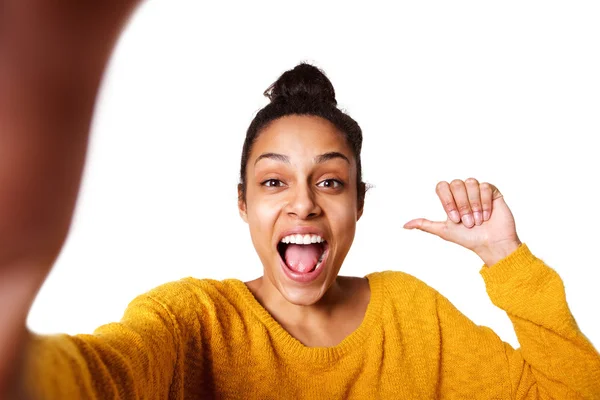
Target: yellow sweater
196	339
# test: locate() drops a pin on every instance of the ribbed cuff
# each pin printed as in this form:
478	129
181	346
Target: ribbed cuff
504	269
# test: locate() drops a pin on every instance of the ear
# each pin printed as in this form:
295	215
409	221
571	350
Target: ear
361	200
360	213
242	204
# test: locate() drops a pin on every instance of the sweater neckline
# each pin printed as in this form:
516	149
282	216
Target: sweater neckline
297	349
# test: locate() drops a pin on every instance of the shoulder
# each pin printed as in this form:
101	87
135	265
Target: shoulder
399	281
402	288
191	296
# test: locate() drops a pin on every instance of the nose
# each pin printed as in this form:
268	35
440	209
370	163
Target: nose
303	204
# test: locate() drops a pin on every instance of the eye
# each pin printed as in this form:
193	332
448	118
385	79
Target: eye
331	184
272	183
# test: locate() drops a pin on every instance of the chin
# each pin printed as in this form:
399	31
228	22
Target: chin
303	296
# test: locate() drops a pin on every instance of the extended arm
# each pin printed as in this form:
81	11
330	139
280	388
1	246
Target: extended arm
52	57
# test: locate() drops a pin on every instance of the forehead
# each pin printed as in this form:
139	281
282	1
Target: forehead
299	136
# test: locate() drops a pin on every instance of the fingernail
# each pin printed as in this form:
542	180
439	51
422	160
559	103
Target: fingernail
454	216
468	220
486	215
477	216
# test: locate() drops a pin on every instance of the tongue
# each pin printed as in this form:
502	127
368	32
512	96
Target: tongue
303	257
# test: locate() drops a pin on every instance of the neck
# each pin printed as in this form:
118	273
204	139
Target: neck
288	313
337	314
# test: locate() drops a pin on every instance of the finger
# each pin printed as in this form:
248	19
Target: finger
486	191
443	191
459	192
495	192
425	225
472	185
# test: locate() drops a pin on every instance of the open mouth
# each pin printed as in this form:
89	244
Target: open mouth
302	254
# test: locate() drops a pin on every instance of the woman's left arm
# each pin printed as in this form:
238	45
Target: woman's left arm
555	359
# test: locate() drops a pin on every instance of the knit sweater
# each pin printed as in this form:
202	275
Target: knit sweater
197	339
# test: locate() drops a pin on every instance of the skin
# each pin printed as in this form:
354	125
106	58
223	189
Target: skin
52	57
296	188
285	189
478	219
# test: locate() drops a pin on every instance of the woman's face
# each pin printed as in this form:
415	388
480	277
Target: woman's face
301	205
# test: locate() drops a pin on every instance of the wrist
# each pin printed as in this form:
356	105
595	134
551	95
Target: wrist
493	254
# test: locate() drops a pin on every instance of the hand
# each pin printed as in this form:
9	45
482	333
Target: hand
478	219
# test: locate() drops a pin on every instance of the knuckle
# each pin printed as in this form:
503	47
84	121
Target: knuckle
485	186
449	206
456	183
476	206
464	209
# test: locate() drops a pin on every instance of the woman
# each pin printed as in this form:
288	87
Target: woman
301	330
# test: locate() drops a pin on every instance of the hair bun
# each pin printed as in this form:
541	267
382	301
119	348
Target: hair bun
304	82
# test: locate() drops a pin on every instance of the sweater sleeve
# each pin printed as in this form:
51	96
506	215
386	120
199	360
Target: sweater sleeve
555	360
136	358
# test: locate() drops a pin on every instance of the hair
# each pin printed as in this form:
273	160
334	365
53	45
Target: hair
304	90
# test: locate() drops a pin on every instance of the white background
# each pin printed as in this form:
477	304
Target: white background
507	92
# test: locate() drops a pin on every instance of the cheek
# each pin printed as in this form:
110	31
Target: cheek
262	216
347	222
342	217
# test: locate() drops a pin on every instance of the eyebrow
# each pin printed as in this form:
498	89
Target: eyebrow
330	156
318	159
273	156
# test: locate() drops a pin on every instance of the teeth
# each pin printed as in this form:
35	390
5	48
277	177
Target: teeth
320	262
302	239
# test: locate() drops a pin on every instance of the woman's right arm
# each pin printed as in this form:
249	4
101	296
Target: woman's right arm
52	58
142	356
